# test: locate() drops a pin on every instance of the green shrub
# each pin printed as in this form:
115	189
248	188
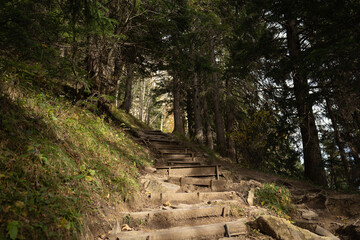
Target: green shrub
276	198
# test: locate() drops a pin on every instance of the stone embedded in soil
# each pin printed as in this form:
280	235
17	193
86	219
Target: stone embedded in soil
154	185
281	229
149	169
323	232
250	198
308	214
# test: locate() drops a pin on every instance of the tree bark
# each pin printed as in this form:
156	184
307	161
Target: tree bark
92	65
208	130
119	69
219	124
339	141
314	168
126	105
190	114
178	123
142	101
230	120
199	133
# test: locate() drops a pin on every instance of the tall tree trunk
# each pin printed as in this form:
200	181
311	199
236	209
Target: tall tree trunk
339	141
92	64
314	167
230	120
208	130
148	113
354	149
199	133
126	105
190	114
219	124
118	72
142	101
177	107
161	121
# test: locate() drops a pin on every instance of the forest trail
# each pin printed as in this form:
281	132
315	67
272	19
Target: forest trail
190	196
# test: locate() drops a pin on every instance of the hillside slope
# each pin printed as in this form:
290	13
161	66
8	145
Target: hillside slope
62	167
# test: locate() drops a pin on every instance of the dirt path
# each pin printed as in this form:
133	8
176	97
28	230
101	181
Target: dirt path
188	197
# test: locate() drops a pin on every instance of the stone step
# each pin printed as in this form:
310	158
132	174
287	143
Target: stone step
209	231
213	184
190	171
192	197
173	215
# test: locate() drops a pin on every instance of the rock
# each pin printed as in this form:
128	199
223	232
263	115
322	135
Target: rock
126	227
149	169
308	214
116	229
282	229
154	185
256	212
323	232
250	198
167	204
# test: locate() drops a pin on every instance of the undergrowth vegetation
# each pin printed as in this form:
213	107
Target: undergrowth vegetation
58	162
276	198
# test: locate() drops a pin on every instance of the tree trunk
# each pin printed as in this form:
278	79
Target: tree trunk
148	113
199	134
126	105
92	65
339	141
219	124
178	123
208	130
314	168
118	72
161	121
190	114
230	120
142	101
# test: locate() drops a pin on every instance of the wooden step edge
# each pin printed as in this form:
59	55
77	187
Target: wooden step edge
191	232
179	213
193	197
183	163
175	167
213	184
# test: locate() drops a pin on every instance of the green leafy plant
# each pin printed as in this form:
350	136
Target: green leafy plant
276	198
12	229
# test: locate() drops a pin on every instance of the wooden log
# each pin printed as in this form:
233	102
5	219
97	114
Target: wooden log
178	214
182	233
176	155
194	171
194	197
176	162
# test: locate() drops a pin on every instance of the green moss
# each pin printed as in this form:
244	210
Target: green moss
57	161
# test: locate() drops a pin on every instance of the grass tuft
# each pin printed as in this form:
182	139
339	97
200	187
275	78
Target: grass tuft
58	164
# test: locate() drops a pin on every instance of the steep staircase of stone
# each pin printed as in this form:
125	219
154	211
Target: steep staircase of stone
187	197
